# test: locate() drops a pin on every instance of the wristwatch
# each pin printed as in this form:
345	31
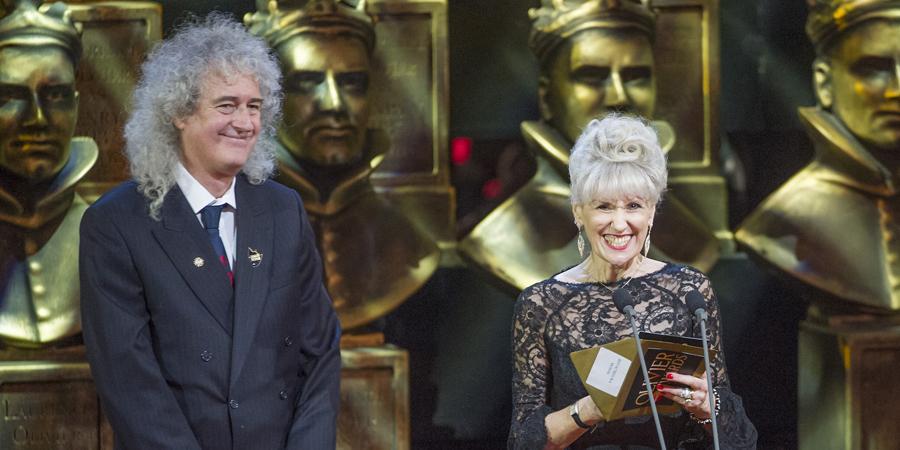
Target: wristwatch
573	411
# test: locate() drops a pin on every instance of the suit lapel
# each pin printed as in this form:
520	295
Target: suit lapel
251	281
184	240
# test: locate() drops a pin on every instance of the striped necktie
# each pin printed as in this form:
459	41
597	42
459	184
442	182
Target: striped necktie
209	215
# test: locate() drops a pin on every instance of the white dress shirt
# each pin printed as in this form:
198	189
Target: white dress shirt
198	197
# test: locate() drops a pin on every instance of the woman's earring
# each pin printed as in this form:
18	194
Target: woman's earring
647	241
580	242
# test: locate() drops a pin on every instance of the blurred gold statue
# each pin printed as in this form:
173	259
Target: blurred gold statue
835	225
596	56
374	256
40	164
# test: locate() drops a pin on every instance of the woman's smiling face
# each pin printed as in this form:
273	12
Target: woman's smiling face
616	228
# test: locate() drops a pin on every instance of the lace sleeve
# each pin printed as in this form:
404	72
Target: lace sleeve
735	429
531	372
713	333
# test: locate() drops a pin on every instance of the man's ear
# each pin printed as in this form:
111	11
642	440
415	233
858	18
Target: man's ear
179	123
822	83
543	87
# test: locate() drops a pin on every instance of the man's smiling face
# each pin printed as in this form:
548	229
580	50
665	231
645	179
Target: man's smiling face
218	137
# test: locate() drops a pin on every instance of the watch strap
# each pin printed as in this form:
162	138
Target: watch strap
573	411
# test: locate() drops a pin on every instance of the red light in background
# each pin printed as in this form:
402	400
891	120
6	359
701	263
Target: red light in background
491	188
460	150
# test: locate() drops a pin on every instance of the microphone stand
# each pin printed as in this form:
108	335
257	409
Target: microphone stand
637	341
702	316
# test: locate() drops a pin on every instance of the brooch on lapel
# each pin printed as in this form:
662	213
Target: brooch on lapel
198	262
255	257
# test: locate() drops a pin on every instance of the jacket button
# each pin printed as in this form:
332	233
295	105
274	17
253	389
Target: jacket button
233	404
206	355
283	395
288	341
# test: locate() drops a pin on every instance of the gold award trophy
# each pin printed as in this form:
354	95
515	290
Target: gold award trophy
596	57
833	228
374	256
45	389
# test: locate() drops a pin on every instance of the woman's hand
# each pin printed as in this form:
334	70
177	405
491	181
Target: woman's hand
694	398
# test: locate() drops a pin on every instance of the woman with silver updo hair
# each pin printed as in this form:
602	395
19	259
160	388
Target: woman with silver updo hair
618	175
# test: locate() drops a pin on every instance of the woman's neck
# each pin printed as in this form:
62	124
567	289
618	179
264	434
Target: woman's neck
597	269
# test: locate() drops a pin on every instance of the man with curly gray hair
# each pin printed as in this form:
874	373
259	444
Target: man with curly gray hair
201	331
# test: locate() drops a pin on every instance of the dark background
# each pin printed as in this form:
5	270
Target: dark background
457	328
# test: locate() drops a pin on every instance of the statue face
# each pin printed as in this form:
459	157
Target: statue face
861	80
38	109
595	72
326	102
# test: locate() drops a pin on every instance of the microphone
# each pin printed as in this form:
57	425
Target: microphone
697	304
624	302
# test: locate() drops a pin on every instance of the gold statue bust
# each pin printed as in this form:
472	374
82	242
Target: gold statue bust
595	57
40	164
834	225
374	257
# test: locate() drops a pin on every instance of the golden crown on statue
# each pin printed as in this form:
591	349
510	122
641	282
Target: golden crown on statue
277	21
557	20
829	18
48	25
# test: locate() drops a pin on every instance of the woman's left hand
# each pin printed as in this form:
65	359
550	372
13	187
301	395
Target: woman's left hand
692	394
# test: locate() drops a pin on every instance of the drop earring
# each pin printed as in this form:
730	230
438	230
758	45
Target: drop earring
647	241
580	242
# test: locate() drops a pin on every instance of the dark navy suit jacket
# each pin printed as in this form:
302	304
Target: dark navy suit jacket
182	360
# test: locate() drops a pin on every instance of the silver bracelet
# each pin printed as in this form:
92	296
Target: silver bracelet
707	420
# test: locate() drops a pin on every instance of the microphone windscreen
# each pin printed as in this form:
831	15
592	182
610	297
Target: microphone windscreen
695	301
622	299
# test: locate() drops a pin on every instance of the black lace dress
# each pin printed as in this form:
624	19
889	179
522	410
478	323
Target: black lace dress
554	318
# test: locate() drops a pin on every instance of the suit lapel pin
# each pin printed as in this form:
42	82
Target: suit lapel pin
199	262
254	256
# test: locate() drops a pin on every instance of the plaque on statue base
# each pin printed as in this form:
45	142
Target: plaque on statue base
847	385
374	398
50	405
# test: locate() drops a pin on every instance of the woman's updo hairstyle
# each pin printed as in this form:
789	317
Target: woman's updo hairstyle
617	157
